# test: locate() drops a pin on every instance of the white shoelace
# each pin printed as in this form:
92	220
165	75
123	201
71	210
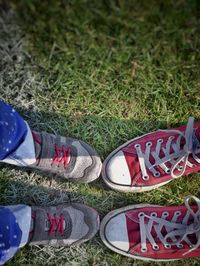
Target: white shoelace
176	231
179	155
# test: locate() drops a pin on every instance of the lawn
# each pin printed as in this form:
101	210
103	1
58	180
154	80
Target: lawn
103	72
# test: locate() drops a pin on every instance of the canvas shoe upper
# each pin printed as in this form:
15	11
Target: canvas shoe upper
150	232
63	225
154	159
66	157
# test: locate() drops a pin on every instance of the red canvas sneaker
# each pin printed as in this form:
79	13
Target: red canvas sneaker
154	159
150	232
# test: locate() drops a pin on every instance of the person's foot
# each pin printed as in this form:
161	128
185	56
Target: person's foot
150	232
154	159
66	157
63	225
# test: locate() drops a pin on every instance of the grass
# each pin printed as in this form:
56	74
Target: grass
104	72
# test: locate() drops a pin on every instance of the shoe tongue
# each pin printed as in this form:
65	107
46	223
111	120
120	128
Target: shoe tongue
37	142
42	224
47	225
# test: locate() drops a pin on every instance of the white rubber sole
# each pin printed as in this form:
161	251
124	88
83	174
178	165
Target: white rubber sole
126	188
109	216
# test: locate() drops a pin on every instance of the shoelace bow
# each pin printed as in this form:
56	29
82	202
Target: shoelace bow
179	155
57	225
62	156
176	231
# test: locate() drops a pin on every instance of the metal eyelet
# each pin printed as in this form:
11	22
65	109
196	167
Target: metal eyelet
149	143
167	246
140	214
179	245
145	177
153	214
171	137
137	145
160	140
156	174
165	214
177	213
168	171
143	249
155	247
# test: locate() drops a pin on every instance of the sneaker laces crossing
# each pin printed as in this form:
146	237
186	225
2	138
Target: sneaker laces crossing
57	225
179	154
176	231
62	156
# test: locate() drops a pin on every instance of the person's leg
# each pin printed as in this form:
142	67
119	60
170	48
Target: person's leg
15	222
13	130
16	141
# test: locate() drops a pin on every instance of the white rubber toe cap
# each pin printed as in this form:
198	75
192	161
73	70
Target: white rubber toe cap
117	170
116	232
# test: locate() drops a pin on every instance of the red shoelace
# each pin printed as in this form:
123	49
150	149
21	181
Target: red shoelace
62	156
57	224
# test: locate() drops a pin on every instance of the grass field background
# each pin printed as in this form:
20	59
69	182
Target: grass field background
103	72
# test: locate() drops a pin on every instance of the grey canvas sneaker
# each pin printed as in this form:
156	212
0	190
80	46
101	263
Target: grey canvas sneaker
63	225
66	157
